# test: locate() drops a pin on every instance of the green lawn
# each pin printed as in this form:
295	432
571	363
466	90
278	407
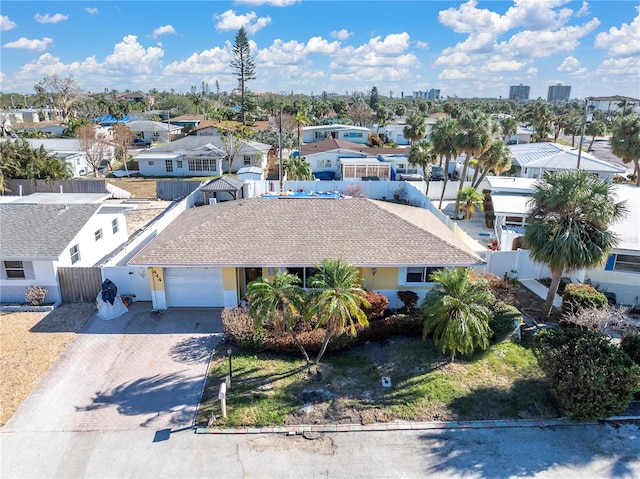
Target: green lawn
503	382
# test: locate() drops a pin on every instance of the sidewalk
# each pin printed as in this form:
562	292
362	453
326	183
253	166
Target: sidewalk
540	290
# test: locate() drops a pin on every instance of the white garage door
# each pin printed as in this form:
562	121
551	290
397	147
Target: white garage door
194	287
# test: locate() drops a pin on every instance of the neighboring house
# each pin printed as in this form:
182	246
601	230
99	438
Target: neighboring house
620	274
134	96
51	127
154	130
188	122
210	128
612	103
353	134
207	256
199	156
42	232
394	132
68	150
523	135
349	160
536	158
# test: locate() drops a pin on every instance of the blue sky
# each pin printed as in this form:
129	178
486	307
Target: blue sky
473	48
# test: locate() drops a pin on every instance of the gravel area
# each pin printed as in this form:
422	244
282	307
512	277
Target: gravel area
30	344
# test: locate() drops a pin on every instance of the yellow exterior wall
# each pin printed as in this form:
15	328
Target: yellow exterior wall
229	280
157	279
386	279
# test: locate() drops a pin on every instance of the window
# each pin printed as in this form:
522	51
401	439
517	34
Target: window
179	164
202	164
320	135
247	160
420	274
151	163
168	165
114	226
623	262
14	269
324	163
98	234
303	273
74	251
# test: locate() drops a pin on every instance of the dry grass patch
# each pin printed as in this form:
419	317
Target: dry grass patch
31	343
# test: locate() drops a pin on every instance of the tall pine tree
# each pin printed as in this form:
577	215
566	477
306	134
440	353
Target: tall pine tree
243	66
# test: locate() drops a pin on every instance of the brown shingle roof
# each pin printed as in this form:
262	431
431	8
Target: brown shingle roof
303	232
329	144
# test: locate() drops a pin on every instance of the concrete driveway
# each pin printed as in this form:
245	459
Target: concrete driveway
141	370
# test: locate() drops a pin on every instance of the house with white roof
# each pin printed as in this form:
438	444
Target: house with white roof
621	272
534	159
45	231
353	134
154	130
69	151
200	156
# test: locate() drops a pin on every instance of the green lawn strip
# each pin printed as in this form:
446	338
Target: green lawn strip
503	382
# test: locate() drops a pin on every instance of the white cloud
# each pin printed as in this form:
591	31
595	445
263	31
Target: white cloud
163	30
422	45
467	19
273	3
214	60
621	41
538	14
6	23
26	44
621	66
455	74
129	56
392	44
455	59
92	10
229	21
281	53
584	10
341	34
571	66
320	45
46	18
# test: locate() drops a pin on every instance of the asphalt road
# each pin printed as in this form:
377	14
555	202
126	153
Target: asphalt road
590	451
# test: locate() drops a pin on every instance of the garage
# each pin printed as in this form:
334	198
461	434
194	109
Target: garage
194	287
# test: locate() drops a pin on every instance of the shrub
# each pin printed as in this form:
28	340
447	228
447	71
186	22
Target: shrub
631	345
35	295
577	297
378	304
505	320
505	290
590	377
409	299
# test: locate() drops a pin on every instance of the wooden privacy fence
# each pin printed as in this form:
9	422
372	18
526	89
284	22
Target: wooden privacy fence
171	190
79	285
55	186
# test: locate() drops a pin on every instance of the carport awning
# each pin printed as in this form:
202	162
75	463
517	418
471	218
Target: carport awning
510	205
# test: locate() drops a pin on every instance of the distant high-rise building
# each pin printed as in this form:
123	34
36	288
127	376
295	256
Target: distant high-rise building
519	92
432	94
559	93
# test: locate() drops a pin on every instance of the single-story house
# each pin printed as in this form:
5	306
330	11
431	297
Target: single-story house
208	255
42	232
69	151
154	130
200	156
353	134
536	158
620	274
331	155
613	103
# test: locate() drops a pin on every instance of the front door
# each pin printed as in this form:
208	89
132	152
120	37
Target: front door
246	276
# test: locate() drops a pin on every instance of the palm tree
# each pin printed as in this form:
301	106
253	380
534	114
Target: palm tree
456	312
297	169
337	300
473	139
593	129
469	199
422	155
278	302
509	127
572	126
568	224
416	128
625	142
301	120
496	159
443	137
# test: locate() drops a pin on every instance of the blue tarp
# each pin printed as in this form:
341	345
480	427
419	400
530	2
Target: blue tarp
110	119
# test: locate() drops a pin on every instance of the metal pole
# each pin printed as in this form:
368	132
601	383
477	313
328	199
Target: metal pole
169	125
230	372
280	169
584	122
